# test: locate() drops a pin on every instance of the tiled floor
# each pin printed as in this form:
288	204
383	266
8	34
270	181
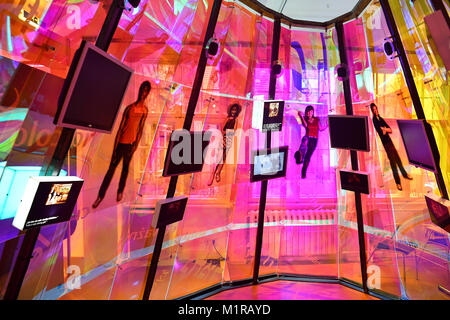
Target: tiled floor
292	290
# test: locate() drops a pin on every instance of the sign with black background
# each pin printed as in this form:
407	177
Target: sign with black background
53	202
354	181
273	115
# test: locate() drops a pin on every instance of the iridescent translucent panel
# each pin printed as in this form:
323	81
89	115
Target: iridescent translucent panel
345	234
421	245
393	249
126	239
173	75
430	75
306	212
309	224
38	41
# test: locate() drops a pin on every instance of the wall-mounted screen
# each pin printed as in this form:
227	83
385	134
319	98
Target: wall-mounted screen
95	92
268	164
416	144
186	152
439	211
356	181
169	211
349	132
47	200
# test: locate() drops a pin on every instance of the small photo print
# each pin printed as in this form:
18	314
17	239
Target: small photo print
273	109
58	194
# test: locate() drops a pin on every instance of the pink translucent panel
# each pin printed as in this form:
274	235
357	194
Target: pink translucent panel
394	243
429	73
309	224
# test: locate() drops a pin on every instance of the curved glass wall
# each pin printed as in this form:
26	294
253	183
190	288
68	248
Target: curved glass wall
309	223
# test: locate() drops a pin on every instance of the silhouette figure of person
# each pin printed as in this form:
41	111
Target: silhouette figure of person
383	131
126	142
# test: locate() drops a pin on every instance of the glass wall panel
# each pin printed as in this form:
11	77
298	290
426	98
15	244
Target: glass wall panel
421	248
38	40
310	226
429	72
172	69
114	241
309	212
213	207
347	234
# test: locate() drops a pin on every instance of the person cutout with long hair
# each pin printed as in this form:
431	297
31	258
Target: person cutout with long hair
228	130
383	131
126	142
312	125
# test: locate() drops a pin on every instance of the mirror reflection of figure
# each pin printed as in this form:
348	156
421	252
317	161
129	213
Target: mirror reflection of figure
228	129
126	142
312	125
383	131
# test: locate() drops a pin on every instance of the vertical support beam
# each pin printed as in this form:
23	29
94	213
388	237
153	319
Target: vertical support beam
21	265
354	159
65	140
263	197
390	20
195	93
110	25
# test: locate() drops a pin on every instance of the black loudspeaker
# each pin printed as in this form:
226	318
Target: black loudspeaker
277	67
389	49
134	3
342	72
212	47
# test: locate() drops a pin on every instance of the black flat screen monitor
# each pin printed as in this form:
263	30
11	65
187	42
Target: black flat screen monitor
438	209
186	152
416	144
349	132
356	181
268	164
95	92
47	200
169	211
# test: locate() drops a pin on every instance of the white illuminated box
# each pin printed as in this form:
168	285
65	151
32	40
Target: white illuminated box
47	200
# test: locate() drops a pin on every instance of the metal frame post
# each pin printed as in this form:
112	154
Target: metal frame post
263	196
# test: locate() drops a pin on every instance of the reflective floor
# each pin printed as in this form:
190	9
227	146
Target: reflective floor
290	290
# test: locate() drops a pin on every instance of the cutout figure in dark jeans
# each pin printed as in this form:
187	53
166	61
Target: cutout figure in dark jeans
126	142
309	141
383	132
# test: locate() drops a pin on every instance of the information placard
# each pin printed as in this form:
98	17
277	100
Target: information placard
47	200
